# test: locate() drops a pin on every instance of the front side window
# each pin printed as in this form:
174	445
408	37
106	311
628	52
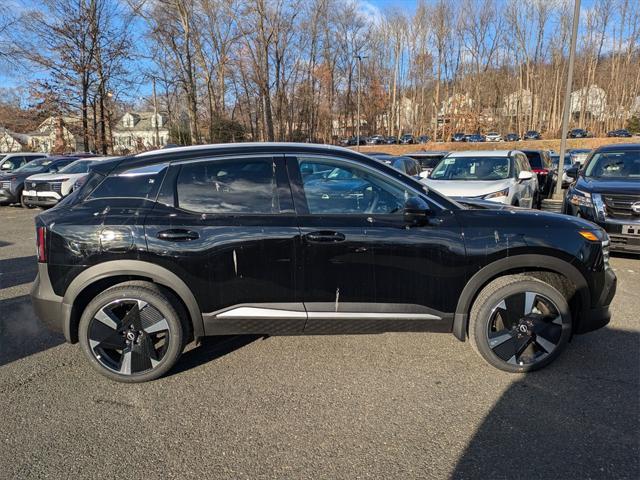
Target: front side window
335	187
472	168
614	165
241	186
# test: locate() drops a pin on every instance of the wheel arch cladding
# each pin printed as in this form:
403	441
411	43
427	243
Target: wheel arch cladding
107	274
572	283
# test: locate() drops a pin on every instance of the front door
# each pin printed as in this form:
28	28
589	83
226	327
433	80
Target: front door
337	262
227	227
365	269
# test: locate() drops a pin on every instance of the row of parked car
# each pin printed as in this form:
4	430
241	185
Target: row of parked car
410	139
406	139
40	180
498	183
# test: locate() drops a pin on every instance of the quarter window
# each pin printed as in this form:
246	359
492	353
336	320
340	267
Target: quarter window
334	187
229	187
136	183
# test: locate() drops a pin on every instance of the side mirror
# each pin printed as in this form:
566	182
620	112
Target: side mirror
525	175
416	211
573	172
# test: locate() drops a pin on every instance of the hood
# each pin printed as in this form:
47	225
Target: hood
21	176
51	177
467	188
629	186
482	204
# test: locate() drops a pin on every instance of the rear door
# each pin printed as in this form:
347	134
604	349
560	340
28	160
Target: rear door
227	227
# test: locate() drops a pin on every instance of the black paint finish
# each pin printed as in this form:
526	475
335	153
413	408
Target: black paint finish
326	268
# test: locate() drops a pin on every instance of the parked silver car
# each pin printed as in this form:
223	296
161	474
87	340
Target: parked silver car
502	176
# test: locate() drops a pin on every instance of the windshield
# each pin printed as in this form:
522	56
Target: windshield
472	168
79	166
34	165
614	165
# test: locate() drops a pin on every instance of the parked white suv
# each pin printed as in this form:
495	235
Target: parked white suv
47	189
11	161
493	137
502	176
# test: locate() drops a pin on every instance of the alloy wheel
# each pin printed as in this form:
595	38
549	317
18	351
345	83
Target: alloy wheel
524	328
128	336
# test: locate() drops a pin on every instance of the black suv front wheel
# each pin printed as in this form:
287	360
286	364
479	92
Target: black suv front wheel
519	323
132	332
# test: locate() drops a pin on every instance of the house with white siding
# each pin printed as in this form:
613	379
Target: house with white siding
140	131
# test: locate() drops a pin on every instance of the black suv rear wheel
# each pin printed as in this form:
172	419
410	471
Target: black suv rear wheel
132	332
519	323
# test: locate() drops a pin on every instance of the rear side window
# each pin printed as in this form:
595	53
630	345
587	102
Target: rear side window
246	186
535	160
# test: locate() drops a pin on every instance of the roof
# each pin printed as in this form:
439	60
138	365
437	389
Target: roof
243	146
616	147
198	151
483	153
427	153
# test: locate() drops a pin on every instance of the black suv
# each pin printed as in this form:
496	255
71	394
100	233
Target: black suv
578	133
532	135
607	192
541	165
163	248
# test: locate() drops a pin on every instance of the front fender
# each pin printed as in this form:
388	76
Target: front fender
511	264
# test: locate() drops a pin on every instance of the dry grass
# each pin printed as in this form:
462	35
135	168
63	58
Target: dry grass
553	144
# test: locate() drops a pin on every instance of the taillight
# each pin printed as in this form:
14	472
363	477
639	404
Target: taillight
41	244
543	171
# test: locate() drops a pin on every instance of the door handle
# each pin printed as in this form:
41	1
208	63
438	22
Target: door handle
178	235
324	237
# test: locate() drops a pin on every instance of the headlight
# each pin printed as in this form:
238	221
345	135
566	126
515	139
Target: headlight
580	198
605	251
501	193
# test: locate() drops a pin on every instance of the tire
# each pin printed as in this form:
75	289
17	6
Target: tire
133	332
508	337
22	202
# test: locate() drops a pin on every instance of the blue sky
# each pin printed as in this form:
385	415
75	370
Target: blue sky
10	77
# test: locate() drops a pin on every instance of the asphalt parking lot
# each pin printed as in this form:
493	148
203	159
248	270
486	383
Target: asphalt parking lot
371	406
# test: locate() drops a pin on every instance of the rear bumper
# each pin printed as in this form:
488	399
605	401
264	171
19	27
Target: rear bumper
48	306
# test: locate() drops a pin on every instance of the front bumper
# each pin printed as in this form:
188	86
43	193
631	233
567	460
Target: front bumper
620	242
49	307
40	201
598	316
7	196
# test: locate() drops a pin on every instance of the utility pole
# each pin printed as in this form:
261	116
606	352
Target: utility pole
567	100
155	112
359	58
